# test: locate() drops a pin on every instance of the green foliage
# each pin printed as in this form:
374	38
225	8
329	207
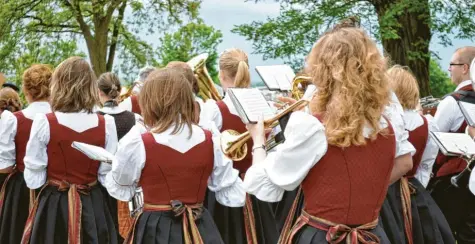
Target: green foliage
405	27
105	26
189	41
440	83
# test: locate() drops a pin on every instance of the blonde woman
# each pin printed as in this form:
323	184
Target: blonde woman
344	155
70	207
409	214
255	222
15	197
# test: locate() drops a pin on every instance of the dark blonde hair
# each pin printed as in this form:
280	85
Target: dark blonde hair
74	87
234	63
404	84
186	70
109	84
353	89
9	100
166	99
36	81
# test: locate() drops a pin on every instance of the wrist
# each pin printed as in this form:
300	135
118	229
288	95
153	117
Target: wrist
259	140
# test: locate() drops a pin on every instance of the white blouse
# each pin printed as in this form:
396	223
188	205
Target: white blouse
413	120
122	180
36	158
212	113
8	130
285	168
126	104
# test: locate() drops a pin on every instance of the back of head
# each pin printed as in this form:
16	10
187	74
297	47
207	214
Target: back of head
466	55
186	70
9	100
36	82
74	87
235	65
109	84
145	72
349	72
404	85
166	99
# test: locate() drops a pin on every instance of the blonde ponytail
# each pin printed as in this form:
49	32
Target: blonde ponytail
243	78
234	64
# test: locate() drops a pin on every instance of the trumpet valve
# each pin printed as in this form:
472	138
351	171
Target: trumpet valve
230	147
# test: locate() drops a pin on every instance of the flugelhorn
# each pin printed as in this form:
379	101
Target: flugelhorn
299	85
207	90
234	144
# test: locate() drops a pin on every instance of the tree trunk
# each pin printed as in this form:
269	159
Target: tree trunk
412	47
97	49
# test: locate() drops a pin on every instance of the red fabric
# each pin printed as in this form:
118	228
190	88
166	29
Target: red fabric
418	138
66	163
348	185
452	165
135	104
21	138
233	122
175	175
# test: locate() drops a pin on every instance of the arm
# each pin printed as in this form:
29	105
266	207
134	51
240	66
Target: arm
444	118
36	157
110	146
402	165
8	129
126	169
272	174
224	179
428	157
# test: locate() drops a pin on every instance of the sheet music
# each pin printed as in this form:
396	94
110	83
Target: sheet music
468	111
93	152
253	103
277	77
455	143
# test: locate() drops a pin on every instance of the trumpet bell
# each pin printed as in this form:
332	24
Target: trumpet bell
227	139
299	85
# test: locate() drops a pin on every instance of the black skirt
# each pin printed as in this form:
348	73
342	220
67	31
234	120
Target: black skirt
308	234
15	209
231	222
428	223
50	224
162	227
282	208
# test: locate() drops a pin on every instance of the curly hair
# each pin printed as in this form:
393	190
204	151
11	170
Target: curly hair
404	85
9	100
36	81
353	89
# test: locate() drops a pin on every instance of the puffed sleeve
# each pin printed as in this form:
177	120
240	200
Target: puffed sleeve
8	129
36	156
210	114
395	114
140	123
288	166
424	169
224	179
110	146
127	166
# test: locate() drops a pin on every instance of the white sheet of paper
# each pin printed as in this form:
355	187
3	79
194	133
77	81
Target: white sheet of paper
470	109
253	103
459	143
276	77
93	152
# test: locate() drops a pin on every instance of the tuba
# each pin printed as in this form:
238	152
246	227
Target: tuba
207	90
299	85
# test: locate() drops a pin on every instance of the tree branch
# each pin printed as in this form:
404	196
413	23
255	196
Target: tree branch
115	36
76	10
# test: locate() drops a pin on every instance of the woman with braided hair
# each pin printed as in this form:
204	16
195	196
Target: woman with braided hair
15	197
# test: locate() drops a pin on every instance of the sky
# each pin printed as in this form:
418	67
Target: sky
225	14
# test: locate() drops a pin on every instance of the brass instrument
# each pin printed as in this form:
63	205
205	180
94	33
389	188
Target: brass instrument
129	92
136	203
207	90
299	85
234	144
462	179
429	104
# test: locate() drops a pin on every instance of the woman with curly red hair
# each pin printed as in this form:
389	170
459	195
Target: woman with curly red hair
344	155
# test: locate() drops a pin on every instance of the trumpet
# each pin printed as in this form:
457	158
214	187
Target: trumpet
207	90
299	85
234	144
